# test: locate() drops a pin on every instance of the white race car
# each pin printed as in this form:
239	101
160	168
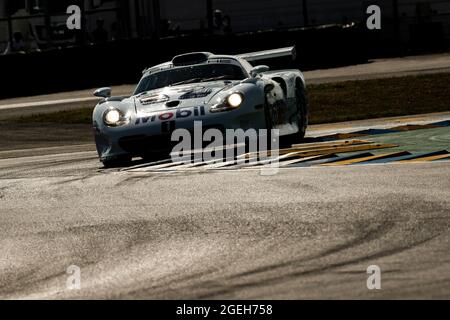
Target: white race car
221	91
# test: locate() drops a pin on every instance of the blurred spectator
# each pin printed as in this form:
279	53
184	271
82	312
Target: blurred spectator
227	24
100	35
115	34
202	26
280	24
176	30
165	27
218	21
17	45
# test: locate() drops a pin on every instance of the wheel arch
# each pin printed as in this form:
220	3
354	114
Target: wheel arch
300	83
282	83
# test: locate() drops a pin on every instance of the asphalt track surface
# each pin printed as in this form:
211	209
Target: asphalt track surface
302	233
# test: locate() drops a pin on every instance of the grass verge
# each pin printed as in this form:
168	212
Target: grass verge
336	102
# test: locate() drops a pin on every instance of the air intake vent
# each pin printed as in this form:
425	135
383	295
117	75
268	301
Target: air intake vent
172	104
190	58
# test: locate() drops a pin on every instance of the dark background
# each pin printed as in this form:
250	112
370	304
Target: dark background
69	60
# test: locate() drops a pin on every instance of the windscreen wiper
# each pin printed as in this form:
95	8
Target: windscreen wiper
224	77
186	81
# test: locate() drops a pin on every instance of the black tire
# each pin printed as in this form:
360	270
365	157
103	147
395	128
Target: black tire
120	162
302	113
269	122
157	156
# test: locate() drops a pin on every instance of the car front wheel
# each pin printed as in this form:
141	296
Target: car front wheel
119	162
302	113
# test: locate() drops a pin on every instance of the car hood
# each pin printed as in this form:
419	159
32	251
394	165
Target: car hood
182	96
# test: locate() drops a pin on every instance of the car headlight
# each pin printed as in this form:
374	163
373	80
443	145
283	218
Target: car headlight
113	117
235	100
231	102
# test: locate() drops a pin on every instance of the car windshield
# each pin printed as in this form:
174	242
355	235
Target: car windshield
190	74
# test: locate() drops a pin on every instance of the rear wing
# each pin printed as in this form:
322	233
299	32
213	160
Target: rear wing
269	54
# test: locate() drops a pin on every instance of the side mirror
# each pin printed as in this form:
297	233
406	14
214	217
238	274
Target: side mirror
258	70
103	92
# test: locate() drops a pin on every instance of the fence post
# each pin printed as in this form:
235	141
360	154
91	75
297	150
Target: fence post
396	22
305	13
209	15
157	18
10	31
47	19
